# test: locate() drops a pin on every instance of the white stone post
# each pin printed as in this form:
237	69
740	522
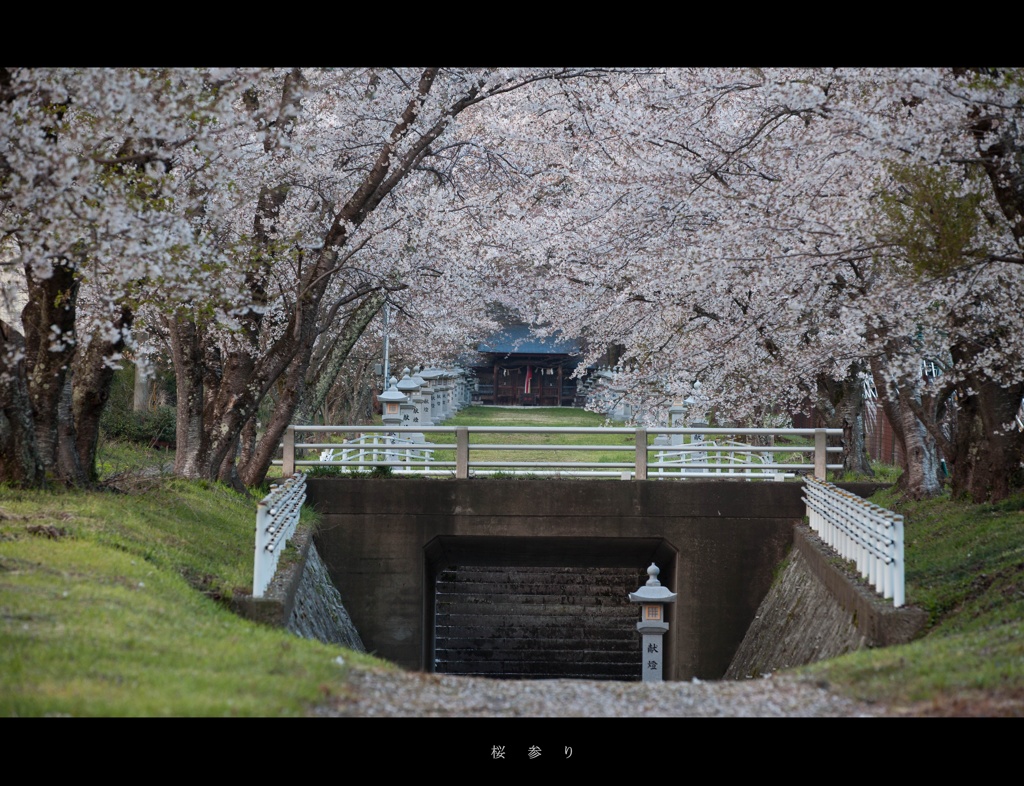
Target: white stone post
677	419
698	457
462	452
640	471
288	453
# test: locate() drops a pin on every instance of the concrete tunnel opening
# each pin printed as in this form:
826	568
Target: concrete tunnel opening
386	544
538	608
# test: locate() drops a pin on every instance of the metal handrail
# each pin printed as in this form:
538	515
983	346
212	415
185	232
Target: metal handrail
709	458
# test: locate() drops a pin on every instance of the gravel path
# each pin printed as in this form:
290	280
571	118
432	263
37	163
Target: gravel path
381	693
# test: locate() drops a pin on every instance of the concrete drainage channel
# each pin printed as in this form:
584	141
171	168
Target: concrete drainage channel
537	622
573	622
390	547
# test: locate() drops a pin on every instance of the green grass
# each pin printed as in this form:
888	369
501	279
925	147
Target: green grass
528	416
884	473
119	461
116	604
548	417
965	568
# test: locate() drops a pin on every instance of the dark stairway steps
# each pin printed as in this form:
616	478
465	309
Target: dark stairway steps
480	646
527	622
548	670
506	613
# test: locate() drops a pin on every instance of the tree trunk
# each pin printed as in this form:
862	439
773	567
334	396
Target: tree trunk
92	376
247	441
921	466
49	320
58	391
228	474
841	405
218	395
922	471
989	447
326	372
20	463
254	471
188	366
69	468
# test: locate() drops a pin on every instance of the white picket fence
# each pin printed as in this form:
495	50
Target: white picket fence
277	515
862	532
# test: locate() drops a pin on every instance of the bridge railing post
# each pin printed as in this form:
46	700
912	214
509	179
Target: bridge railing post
641	454
288	454
461	452
819	454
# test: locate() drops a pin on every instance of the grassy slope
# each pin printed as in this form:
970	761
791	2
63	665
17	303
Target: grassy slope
965	567
112	604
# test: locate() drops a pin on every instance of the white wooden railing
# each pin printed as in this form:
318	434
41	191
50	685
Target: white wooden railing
862	532
277	515
700	453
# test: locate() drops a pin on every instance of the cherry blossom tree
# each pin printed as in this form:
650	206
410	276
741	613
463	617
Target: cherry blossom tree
256	218
743	245
779	235
85	160
341	168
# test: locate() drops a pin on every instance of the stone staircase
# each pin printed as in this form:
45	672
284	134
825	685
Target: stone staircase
537	623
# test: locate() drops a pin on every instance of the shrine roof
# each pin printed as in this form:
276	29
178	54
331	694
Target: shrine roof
518	340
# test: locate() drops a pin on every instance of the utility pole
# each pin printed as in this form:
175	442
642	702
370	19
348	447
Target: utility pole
387	331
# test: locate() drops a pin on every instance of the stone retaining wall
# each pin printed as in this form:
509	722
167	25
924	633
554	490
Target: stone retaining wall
818	609
303	599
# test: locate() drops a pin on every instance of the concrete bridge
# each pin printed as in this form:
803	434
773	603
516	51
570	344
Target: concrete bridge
387	541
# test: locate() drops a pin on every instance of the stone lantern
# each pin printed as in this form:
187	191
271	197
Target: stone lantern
652	597
390	402
422	398
408	409
677	419
431	377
